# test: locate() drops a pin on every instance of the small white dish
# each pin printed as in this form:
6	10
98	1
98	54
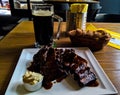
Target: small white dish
33	87
32	81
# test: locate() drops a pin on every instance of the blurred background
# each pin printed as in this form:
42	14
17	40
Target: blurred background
12	12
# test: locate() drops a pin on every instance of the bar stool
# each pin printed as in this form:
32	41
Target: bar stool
103	17
93	10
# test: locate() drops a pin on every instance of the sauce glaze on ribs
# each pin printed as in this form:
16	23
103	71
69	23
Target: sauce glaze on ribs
57	64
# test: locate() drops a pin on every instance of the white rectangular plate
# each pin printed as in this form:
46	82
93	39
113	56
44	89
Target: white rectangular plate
67	86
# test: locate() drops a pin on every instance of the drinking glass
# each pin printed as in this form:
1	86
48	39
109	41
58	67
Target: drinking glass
43	22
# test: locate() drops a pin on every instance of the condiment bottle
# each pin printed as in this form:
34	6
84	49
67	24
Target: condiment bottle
77	16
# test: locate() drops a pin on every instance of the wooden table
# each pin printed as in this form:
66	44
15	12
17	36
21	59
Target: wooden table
22	36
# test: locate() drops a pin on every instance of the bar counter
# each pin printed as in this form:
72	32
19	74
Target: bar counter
22	36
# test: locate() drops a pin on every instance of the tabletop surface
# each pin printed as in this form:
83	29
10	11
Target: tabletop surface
22	36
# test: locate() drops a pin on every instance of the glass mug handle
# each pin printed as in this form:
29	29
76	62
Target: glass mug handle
60	20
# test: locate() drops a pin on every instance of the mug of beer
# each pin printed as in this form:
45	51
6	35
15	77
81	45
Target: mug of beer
43	22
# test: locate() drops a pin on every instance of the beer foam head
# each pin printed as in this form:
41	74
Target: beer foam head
42	13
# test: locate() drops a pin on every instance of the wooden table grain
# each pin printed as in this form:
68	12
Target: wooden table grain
22	36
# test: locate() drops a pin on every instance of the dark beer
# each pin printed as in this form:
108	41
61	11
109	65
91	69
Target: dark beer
43	15
43	28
